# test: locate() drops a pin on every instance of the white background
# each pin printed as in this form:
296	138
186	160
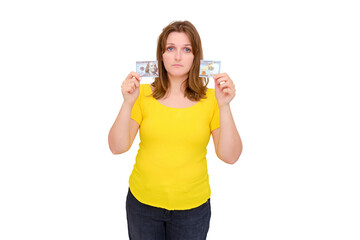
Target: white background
296	69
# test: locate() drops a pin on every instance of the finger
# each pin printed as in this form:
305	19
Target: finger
135	82
134	75
132	89
221	79
225	85
132	81
128	89
227	90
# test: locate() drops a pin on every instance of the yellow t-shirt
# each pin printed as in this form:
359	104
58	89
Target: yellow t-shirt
171	169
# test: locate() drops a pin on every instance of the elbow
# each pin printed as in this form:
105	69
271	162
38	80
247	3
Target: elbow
114	150
116	147
117	151
231	161
236	156
231	158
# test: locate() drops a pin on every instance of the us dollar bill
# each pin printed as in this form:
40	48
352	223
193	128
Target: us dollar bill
209	68
147	68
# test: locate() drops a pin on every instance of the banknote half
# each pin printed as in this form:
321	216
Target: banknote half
147	68
209	68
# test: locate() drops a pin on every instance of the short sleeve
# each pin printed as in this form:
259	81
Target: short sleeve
136	112
215	121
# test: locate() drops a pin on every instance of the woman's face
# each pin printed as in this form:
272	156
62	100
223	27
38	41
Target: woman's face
178	56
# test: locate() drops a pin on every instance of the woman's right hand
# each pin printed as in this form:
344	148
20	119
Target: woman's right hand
130	88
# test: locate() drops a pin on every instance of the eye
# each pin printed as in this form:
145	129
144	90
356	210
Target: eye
170	48
187	50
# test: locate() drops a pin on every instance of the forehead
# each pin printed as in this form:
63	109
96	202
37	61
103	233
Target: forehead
178	38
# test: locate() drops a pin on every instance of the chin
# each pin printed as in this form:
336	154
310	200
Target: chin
178	73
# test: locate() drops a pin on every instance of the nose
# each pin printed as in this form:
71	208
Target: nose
178	55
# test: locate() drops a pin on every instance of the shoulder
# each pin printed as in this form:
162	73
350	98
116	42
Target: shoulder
210	92
211	98
145	89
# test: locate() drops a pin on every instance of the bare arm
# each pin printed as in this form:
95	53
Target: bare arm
227	141
124	129
228	144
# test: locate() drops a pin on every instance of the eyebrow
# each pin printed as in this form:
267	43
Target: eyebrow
187	44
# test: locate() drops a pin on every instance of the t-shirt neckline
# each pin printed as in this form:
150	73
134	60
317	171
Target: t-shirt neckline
168	106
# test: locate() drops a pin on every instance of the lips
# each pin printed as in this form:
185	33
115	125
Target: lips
177	65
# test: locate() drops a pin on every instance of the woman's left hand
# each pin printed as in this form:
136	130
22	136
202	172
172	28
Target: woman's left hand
225	92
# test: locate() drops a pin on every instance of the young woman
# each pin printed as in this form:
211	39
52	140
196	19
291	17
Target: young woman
169	192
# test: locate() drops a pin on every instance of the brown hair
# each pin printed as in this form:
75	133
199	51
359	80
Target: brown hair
196	86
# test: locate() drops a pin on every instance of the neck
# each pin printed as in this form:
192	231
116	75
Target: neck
175	86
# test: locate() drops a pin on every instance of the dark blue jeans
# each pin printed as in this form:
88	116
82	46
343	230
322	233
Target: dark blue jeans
151	223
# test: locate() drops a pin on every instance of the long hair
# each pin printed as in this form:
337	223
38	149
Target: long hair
195	88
